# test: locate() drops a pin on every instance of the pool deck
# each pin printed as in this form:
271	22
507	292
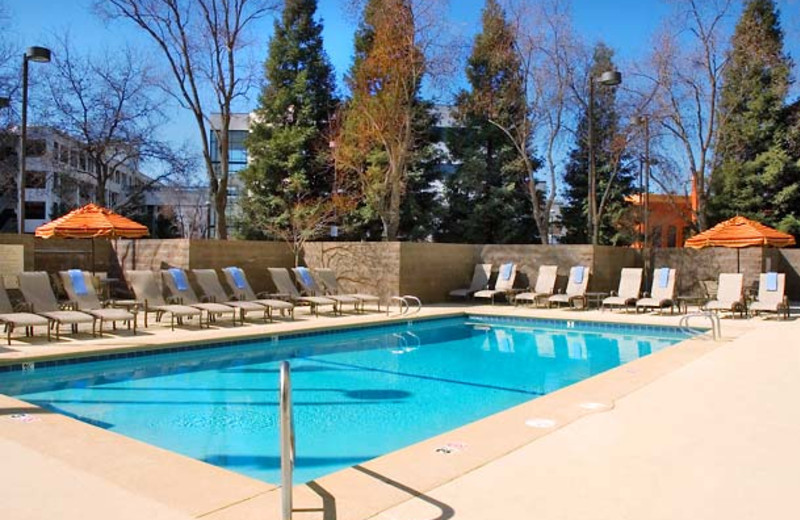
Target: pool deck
700	430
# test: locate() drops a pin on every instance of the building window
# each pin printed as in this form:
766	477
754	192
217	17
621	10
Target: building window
63	155
656	236
672	236
35	180
35	147
35	210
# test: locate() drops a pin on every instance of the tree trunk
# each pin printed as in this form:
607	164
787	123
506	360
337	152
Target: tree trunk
100	192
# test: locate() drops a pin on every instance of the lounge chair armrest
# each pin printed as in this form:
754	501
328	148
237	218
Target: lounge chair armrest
23	307
645	294
176	300
208	299
613	293
263	295
68	305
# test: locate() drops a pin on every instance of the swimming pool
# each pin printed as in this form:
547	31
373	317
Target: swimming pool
358	393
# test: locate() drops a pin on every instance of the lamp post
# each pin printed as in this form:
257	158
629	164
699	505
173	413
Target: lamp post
39	55
645	196
608	78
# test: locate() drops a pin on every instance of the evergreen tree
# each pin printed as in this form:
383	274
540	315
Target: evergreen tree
614	171
754	166
484	204
290	162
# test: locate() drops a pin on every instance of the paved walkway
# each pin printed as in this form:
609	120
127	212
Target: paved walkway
715	439
701	431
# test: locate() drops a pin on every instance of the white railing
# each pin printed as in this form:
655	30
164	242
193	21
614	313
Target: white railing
287	441
406	305
716	325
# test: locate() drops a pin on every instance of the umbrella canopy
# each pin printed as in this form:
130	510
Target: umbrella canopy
91	221
740	232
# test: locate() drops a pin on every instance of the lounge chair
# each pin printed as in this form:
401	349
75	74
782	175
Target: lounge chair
771	295
329	280
545	286
38	293
12	319
81	292
283	282
312	288
576	288
730	294
209	283
480	281
147	290
503	285
179	287
242	291
630	285
662	292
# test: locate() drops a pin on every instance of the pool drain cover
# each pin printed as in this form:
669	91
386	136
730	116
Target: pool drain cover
540	423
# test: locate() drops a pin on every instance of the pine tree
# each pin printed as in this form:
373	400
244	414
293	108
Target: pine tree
611	164
484	204
754	166
290	162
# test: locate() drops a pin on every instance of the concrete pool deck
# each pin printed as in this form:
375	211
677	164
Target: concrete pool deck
702	429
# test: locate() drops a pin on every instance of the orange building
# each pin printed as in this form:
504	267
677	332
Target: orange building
670	221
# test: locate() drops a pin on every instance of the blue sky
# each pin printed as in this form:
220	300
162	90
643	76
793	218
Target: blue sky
625	25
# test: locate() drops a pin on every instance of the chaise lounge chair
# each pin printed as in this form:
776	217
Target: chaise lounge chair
179	287
283	282
242	291
503	285
209	282
730	294
311	288
12	319
331	284
545	286
576	288
771	295
662	292
38	293
81	292
630	285
480	281
147	291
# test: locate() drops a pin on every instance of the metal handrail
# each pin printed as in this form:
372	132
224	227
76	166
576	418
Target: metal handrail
287	441
716	325
415	300
402	305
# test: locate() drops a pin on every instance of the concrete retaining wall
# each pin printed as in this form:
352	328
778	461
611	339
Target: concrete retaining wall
427	270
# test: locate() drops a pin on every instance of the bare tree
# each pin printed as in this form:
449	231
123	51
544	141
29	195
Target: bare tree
547	49
110	106
688	64
201	41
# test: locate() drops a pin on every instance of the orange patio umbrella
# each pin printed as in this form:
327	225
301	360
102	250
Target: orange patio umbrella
740	232
92	221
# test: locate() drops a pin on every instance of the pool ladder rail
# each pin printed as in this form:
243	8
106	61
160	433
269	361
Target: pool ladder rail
716	325
287	440
406	305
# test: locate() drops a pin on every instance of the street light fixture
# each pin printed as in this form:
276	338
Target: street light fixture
38	55
608	78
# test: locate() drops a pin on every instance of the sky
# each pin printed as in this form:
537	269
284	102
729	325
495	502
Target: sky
625	25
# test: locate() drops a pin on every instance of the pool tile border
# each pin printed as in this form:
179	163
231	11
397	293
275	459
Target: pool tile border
151	350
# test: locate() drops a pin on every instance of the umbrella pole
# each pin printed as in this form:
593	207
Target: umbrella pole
92	257
738	270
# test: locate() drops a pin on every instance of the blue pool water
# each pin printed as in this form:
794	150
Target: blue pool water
358	394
